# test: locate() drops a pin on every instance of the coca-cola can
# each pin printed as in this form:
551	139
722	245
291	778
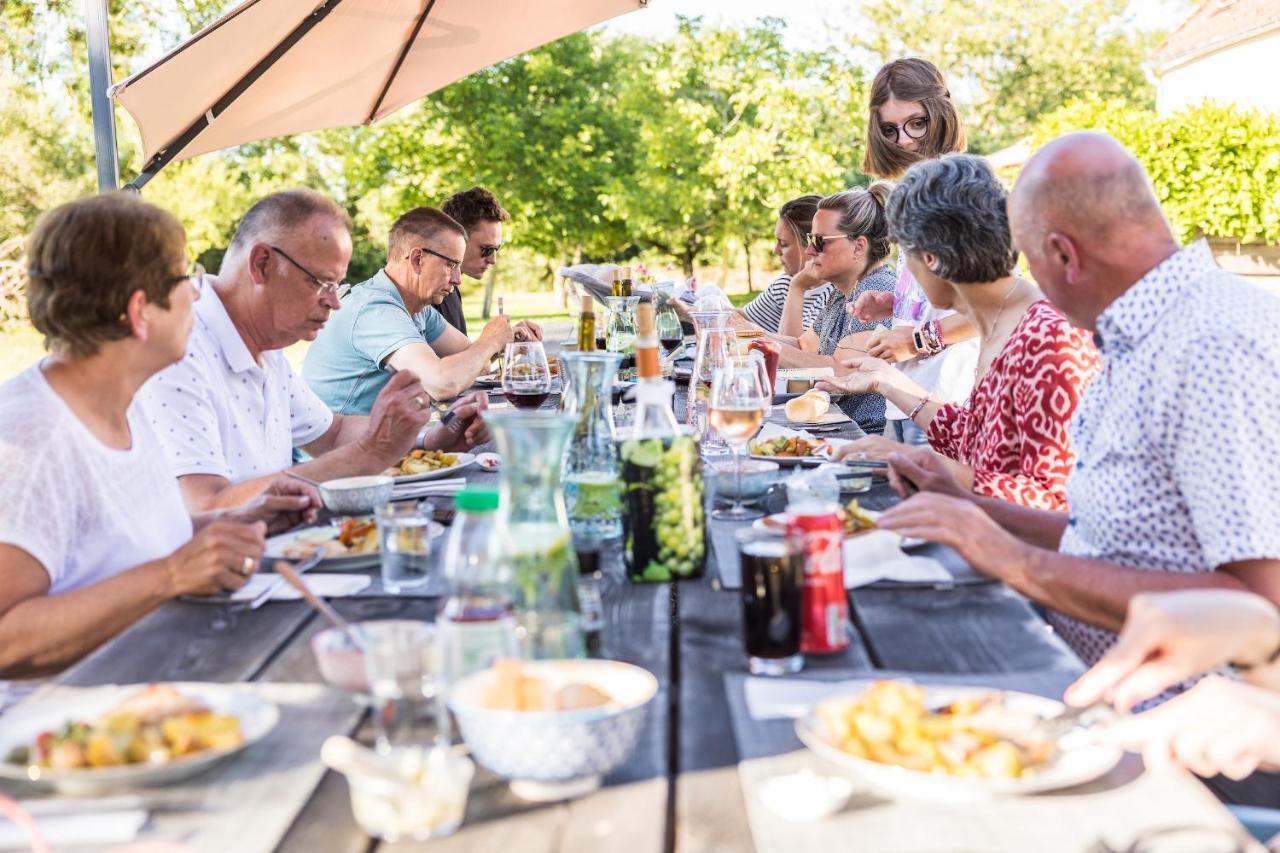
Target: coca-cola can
824	623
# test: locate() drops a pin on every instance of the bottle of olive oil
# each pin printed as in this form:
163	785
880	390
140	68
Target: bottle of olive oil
627	287
587	326
616	289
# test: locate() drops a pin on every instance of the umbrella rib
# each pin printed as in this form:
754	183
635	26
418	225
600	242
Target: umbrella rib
165	155
404	52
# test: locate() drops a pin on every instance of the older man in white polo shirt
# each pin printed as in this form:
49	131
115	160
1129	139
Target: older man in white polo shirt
230	414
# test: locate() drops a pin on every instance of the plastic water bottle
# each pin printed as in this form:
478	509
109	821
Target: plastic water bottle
477	623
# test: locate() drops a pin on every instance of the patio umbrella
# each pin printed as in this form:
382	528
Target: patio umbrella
275	67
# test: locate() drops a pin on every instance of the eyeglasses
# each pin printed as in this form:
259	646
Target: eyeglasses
819	241
914	128
193	275
454	266
489	251
323	288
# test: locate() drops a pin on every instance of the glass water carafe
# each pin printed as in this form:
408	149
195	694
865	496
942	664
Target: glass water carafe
532	531
620	336
715	346
591	465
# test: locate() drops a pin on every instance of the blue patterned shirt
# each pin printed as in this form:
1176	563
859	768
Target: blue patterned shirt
1178	439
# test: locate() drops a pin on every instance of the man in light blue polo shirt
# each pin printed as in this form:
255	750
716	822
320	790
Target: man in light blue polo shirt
391	319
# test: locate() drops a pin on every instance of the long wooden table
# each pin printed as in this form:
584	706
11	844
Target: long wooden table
689	785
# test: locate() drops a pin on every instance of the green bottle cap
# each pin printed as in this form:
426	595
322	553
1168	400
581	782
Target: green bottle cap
477	499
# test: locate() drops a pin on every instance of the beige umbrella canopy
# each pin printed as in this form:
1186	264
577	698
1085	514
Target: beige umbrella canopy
275	67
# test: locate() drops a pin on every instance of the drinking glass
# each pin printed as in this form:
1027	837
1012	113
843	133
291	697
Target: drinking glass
402	661
715	348
526	377
739	402
772	595
666	324
405	530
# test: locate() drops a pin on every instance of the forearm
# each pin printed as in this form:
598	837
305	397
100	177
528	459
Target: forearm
1040	527
792	324
455	373
43	635
905	393
793	357
1093	591
957	328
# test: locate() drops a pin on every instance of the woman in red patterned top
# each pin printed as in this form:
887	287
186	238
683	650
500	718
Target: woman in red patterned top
1009	439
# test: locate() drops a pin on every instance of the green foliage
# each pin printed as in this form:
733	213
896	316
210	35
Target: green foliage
1009	62
1216	168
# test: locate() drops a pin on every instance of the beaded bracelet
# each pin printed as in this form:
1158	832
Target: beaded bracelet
919	407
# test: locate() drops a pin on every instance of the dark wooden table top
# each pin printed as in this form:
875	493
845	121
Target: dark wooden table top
681	788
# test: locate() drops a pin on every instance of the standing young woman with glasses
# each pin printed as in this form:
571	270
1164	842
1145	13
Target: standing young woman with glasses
911	118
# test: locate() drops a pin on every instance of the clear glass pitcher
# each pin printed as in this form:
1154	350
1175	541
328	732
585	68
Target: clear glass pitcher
620	336
591	465
532	530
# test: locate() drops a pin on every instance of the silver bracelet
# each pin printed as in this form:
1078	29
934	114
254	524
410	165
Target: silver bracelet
421	441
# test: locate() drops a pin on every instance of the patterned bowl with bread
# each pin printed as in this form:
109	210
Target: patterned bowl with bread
554	728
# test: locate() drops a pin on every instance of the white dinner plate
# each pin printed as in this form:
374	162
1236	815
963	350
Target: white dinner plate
23	723
1075	763
276	546
464	460
790	461
778	522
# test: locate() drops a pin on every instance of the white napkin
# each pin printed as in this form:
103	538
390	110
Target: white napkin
451	486
877	555
73	828
325	585
789	698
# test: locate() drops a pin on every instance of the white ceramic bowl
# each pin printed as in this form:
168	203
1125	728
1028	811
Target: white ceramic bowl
357	494
757	476
552	755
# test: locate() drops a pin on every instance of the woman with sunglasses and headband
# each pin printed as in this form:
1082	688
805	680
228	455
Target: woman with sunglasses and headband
911	118
848	247
791	233
94	534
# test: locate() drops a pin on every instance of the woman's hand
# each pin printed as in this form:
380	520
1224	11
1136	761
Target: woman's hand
865	376
806	278
874	447
1169	637
872	306
922	469
222	556
284	504
1218	726
893	345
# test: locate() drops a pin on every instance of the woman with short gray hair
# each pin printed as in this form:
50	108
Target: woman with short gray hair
1009	439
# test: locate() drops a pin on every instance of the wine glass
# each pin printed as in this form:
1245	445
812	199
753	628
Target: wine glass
715	348
739	403
526	377
666	323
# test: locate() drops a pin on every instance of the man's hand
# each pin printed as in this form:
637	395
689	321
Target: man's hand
527	330
922	469
466	430
872	306
284	504
892	345
960	524
398	413
215	558
498	331
1169	637
1218	726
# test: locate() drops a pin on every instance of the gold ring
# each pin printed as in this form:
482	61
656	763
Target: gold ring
246	566
421	402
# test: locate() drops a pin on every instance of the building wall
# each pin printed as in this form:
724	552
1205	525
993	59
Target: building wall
1234	74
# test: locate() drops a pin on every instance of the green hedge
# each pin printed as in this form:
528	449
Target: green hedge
1215	167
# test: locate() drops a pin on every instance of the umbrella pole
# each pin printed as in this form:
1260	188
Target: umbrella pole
104	114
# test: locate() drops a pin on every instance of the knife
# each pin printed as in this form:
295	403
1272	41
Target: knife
305	566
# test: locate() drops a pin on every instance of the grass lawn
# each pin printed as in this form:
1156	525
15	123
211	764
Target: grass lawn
21	346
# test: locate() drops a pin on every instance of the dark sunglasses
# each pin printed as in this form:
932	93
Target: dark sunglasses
489	251
819	241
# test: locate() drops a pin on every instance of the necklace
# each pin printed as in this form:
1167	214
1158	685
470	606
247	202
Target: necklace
995	326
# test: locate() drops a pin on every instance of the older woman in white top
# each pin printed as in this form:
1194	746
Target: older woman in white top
94	533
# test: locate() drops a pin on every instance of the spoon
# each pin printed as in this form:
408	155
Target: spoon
320	604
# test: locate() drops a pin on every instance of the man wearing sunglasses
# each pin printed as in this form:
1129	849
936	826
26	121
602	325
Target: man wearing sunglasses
231	413
478	211
392	322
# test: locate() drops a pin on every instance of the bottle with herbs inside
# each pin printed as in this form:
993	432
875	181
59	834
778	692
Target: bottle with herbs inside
663	523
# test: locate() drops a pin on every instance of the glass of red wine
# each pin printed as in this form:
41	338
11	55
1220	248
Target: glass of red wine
526	377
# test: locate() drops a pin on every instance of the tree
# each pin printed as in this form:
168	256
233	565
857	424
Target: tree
1009	62
730	125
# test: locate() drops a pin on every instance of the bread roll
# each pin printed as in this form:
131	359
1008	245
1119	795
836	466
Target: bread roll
808	407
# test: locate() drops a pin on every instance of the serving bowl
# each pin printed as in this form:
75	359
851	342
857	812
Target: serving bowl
555	755
356	494
340	662
757	476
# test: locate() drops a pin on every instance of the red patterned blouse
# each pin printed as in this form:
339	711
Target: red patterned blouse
1013	428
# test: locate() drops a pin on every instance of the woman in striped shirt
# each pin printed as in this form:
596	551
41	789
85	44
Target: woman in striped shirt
791	232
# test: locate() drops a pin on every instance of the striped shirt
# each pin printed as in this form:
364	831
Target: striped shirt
766	309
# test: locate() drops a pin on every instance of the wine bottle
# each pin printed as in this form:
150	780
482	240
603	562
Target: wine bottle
616	288
587	326
627	287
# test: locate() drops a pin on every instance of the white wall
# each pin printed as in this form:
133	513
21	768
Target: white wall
1246	73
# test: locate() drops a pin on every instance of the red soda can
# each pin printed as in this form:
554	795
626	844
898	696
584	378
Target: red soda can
824	622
